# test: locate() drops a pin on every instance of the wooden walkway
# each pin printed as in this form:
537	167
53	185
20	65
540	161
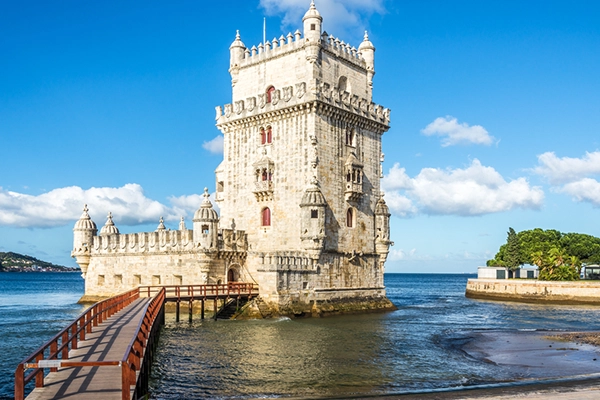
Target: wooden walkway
107	352
108	341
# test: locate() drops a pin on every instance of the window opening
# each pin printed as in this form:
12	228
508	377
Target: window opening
205	229
266	217
269	135
343	84
350	137
314	213
350	218
270	91
263	136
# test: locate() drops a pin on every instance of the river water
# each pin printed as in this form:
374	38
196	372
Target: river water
416	347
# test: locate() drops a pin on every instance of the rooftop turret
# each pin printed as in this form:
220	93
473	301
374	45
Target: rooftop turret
109	227
206	212
85	222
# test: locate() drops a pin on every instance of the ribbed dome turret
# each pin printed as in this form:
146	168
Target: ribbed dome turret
313	196
366	44
381	208
312	13
85	222
237	42
109	227
206	212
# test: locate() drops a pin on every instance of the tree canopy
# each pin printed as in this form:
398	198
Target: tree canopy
558	255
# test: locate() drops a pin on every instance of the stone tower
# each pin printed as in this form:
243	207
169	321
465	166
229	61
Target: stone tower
302	167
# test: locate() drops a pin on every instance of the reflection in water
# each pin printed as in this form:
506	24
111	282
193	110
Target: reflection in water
413	348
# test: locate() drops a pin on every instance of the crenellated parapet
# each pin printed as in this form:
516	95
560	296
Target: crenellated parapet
167	241
296	97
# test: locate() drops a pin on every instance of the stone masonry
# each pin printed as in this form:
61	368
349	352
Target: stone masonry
301	209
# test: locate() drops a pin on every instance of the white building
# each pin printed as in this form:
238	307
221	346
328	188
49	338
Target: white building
302	212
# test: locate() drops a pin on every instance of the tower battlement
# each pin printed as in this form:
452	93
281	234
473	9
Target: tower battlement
295	95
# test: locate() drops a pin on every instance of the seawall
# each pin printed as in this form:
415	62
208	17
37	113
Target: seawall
534	291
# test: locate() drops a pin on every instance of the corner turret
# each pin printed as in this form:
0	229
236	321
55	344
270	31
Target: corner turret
312	223
236	53
382	228
367	50
83	235
312	32
206	224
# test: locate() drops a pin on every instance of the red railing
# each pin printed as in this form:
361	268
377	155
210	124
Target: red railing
140	352
199	292
67	339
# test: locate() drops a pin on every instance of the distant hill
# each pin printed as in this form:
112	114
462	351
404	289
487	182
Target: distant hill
14	262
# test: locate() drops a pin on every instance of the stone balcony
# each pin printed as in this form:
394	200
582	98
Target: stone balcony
263	190
353	191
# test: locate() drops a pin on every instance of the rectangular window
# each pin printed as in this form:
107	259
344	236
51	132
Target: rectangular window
314	213
220	186
100	280
155	280
118	279
137	280
177	279
313	27
205	229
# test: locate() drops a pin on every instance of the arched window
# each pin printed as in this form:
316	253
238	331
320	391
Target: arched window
343	84
350	218
266	217
270	91
350	137
266	135
269	135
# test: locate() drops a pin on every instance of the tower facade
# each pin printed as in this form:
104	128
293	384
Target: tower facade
302	167
301	210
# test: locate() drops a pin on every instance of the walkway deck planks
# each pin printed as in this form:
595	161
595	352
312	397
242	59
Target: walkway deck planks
108	342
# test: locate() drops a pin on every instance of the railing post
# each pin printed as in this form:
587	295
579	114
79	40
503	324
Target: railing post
65	343
19	382
82	328
74	336
39	375
53	355
125	385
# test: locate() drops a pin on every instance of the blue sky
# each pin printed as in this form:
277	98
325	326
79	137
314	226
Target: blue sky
495	116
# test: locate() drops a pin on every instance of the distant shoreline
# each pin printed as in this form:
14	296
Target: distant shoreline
28	271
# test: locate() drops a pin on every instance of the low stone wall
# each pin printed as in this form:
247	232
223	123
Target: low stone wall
534	291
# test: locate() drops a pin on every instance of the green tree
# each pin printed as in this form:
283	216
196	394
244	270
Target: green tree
512	257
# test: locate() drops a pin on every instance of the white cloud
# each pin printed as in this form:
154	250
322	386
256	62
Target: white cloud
215	145
62	206
453	133
475	190
567	169
584	190
572	176
344	18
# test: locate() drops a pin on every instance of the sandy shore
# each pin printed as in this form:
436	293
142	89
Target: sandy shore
551	365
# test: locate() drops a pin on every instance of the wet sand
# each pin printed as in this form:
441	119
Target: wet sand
550	365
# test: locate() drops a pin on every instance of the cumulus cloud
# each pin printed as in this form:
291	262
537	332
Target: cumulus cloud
572	176
345	18
215	145
62	206
475	190
453	133
585	190
567	169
